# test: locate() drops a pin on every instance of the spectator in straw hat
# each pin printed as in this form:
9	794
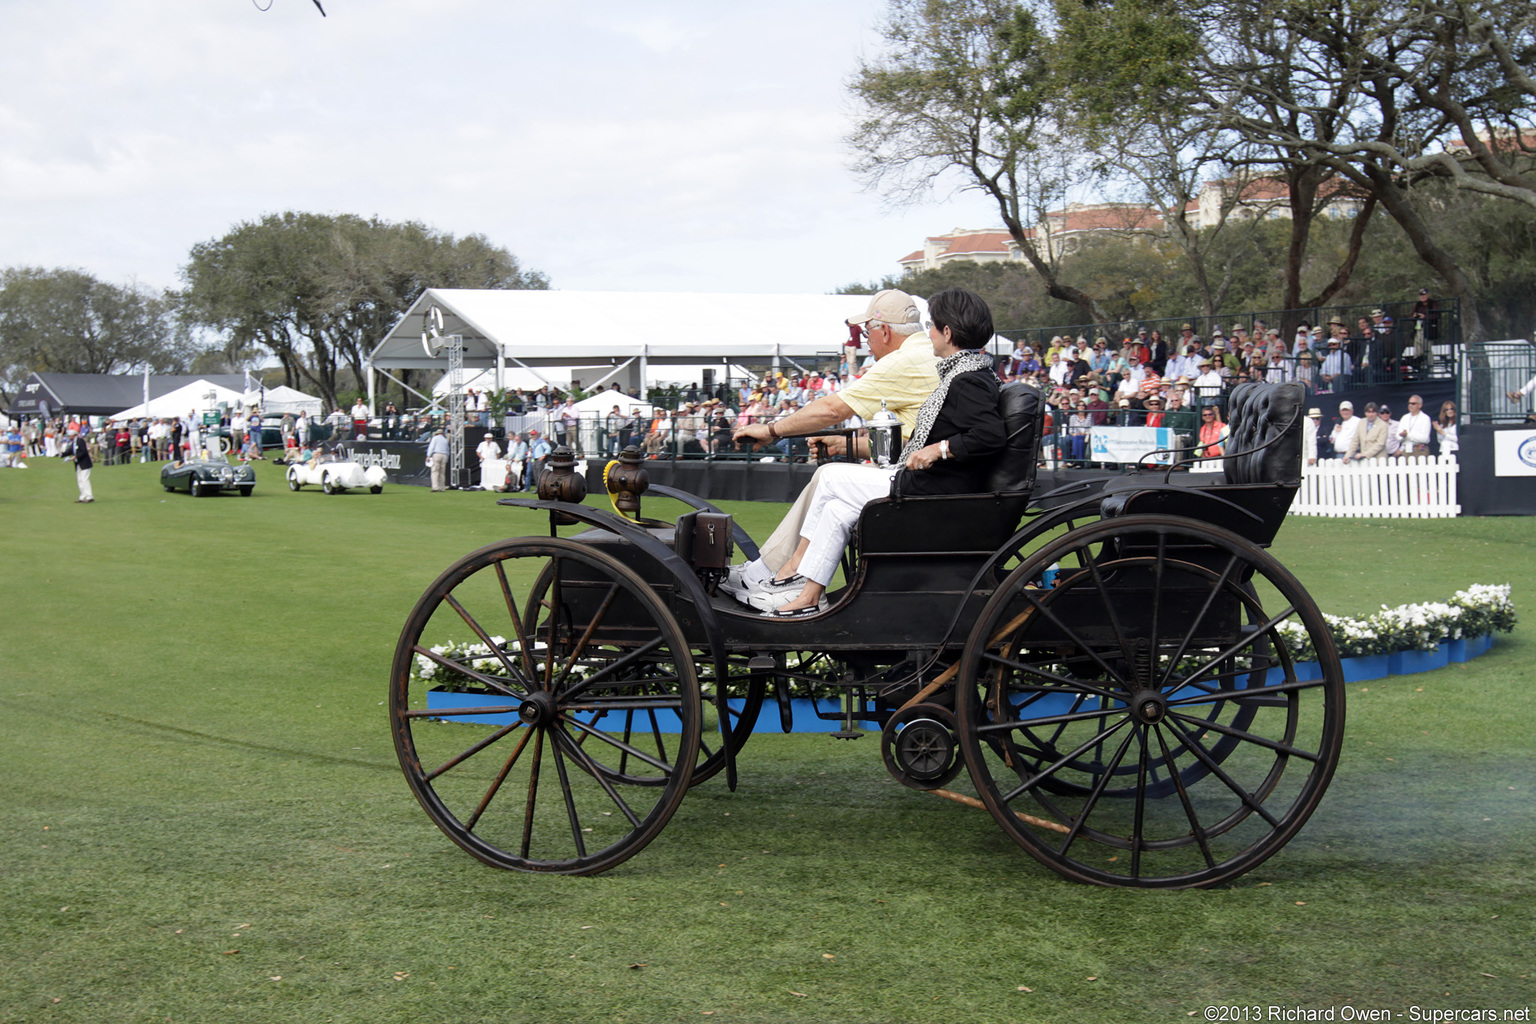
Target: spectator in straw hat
1309	435
1337	367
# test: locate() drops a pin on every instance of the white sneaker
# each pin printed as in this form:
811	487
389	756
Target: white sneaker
766	602
743	578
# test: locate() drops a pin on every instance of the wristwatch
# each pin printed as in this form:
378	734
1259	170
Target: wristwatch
944	448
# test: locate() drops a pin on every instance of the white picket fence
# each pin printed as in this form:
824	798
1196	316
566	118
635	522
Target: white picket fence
1414	487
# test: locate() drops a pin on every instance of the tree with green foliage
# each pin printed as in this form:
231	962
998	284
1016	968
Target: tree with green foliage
320	291
1137	73
964	86
1390	98
1025	102
68	321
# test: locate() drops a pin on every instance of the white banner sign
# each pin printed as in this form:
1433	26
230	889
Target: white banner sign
1129	444
1514	453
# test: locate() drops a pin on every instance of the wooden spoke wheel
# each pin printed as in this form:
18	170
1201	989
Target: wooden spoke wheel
578	722
1142	723
742	710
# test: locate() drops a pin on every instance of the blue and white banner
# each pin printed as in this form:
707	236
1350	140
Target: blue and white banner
1130	444
1514	453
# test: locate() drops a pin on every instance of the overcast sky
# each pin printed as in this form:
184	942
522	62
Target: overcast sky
671	145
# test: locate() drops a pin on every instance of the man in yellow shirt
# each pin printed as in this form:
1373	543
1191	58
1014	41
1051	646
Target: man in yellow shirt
904	375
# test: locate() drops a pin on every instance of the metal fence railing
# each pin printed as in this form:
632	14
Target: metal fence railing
1490	372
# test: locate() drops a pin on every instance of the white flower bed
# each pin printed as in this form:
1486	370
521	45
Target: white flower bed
477	656
1478	610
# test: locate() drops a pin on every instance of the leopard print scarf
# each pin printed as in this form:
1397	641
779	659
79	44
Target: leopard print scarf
949	367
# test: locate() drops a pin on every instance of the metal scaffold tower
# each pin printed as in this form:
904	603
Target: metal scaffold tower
455	348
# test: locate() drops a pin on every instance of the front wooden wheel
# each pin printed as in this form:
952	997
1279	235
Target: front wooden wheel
576	721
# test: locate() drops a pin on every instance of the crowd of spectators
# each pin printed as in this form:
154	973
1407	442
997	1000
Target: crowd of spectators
1143	379
1184	382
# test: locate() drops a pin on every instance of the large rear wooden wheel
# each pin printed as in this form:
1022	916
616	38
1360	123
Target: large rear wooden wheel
577	725
1143	723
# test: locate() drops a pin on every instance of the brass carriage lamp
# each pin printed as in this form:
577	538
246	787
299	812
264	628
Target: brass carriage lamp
627	481
561	482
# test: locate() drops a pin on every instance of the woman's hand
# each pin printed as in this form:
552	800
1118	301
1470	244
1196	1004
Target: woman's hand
923	457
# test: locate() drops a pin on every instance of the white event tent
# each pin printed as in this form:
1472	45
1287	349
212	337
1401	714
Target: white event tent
283	399
617	333
192	397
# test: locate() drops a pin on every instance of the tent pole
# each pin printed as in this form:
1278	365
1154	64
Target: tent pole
372	395
530	369
426	398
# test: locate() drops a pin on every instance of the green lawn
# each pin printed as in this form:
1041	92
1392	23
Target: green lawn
205	821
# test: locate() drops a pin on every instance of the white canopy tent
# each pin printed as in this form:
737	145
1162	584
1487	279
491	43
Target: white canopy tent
192	397
607	333
283	399
602	402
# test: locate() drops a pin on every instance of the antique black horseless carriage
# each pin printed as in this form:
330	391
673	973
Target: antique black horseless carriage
1140	693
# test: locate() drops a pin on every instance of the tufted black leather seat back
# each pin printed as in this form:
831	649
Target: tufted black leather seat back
1259	413
1022	407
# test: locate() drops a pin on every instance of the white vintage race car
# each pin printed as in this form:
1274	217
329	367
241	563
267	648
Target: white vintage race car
335	477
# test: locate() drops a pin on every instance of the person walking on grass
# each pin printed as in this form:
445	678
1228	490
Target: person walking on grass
78	450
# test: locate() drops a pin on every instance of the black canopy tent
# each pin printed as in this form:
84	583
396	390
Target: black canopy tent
100	394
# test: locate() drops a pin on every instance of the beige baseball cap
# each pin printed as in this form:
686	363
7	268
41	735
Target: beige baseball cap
890	306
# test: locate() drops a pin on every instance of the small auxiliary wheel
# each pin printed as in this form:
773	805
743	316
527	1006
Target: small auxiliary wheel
918	746
578	719
1142	723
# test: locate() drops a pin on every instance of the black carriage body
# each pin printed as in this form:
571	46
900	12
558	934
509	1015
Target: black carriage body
914	585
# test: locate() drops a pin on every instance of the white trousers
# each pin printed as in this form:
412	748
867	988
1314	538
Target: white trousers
781	543
83	478
840	495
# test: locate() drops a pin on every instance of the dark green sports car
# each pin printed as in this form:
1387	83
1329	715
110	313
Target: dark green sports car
199	477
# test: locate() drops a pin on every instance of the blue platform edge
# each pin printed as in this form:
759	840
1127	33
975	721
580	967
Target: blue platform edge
805	717
1356	670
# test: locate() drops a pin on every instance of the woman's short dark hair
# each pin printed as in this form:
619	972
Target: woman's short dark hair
965	314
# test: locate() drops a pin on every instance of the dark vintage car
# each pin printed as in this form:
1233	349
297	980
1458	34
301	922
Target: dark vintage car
199	477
